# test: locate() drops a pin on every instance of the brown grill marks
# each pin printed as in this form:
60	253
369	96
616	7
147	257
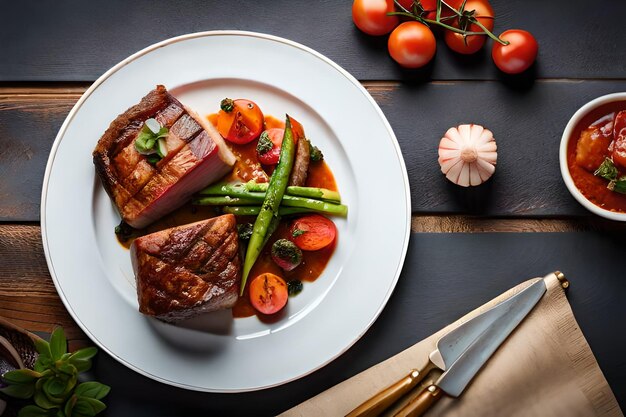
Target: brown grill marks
187	270
143	192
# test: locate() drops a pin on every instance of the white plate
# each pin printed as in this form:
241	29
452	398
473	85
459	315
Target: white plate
93	274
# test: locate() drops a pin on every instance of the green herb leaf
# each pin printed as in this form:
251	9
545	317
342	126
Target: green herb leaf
153	159
69	405
227	105
244	231
21	376
54	387
43	401
607	170
147	140
620	185
315	154
265	144
22	391
43	348
298	232
84	354
294	287
92	389
34	411
58	343
88	406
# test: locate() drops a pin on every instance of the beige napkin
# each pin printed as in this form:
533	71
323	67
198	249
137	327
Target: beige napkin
545	368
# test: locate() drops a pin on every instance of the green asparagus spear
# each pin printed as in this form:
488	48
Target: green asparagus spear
271	203
254	210
288	201
253	189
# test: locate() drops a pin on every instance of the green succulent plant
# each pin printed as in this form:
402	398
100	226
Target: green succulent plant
53	382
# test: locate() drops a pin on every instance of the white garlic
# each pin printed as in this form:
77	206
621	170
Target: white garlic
467	154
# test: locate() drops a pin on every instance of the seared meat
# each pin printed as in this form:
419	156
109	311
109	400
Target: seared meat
300	169
188	270
144	192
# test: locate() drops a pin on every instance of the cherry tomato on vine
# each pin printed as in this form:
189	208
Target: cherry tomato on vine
518	55
371	16
412	44
483	12
242	123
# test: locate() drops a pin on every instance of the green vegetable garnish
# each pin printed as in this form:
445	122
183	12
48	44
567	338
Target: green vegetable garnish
53	383
316	154
227	105
151	140
298	232
294	287
265	144
269	209
608	171
244	231
124	231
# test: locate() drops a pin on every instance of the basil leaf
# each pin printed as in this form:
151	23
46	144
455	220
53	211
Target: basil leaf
606	170
92	389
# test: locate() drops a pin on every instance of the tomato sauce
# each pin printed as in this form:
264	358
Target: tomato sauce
594	188
247	168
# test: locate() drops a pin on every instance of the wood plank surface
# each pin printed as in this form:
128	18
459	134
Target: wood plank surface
74	40
527	122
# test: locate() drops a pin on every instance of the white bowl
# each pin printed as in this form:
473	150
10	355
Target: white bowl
567	133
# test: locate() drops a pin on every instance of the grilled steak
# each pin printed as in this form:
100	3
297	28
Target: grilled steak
188	270
144	192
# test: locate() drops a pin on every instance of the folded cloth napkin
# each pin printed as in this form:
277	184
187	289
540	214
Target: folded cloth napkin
544	368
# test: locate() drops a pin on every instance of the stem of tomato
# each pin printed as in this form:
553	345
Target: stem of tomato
439	21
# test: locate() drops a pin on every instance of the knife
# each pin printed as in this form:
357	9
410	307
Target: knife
454	380
448	349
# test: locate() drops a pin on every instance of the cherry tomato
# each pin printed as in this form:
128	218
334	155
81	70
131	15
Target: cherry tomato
619	135
483	12
242	124
268	293
272	156
412	44
313	232
518	55
371	16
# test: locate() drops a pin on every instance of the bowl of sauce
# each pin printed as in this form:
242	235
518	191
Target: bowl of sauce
593	156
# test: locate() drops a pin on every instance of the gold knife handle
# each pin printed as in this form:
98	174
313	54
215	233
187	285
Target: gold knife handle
381	401
420	404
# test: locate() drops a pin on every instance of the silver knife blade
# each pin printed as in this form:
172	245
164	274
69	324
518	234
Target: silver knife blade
460	373
453	344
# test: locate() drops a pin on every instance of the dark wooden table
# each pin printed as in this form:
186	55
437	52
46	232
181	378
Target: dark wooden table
52	51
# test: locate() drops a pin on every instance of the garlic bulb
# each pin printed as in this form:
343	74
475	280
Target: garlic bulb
467	154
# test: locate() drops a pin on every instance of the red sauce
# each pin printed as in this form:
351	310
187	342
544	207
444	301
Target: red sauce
592	187
245	169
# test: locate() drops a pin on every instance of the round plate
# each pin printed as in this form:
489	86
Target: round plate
215	352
